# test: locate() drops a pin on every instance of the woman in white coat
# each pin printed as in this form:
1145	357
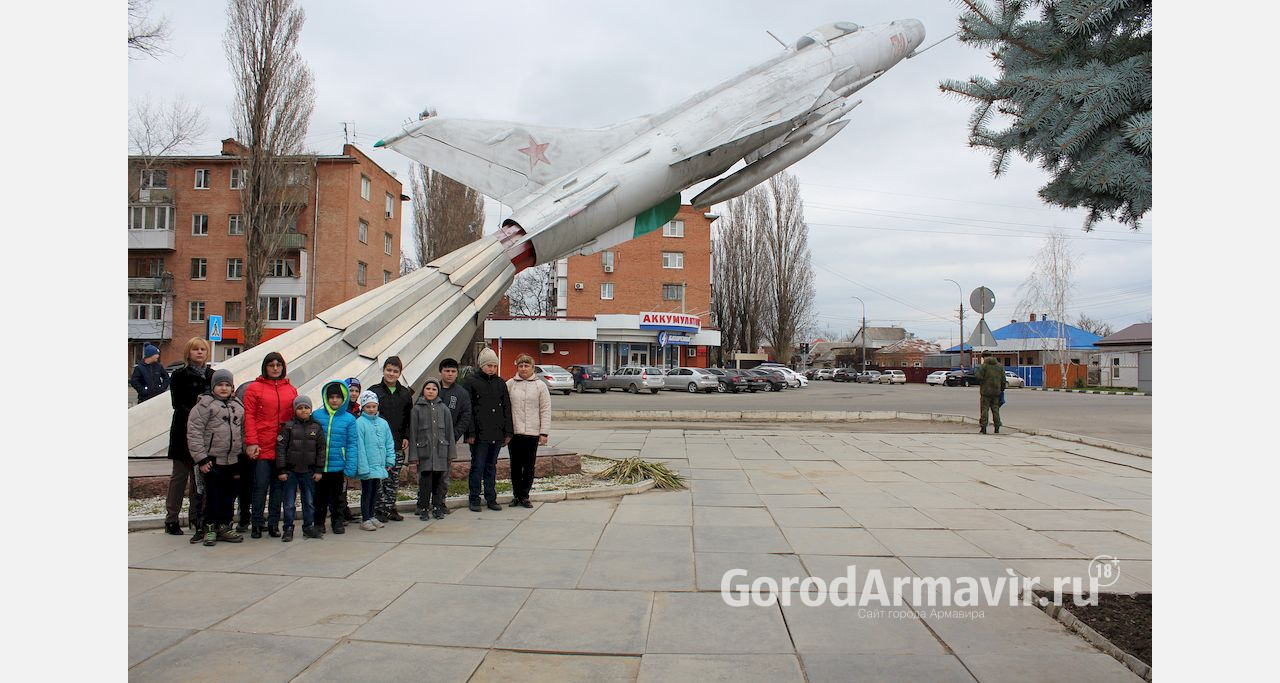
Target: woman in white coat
531	417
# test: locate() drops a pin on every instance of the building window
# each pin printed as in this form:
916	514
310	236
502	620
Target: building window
364	232
200	224
202	178
234	226
155	179
232	311
146	267
237	178
151	217
917	364
606	290
364	187
146	306
672	292
391	206
361	269
386	242
235	268
296	175
195	312
229	352
673	229
386	276
199	268
281	267
279	308
673	259
904	363
606	260
1115	368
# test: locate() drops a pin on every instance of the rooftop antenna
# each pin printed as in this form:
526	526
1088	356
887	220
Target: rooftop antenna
348	134
784	45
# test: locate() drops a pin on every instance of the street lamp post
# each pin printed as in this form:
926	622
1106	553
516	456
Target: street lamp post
961	290
864	335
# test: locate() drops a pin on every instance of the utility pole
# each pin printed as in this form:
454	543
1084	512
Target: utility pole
864	335
961	290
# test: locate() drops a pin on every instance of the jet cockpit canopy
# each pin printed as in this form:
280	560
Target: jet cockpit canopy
825	34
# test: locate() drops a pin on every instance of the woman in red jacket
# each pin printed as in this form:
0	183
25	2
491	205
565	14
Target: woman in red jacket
268	403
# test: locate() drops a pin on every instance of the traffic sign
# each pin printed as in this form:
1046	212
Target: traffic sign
215	328
982	300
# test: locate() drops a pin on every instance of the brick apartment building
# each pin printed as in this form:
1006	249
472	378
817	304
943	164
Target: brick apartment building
602	299
187	250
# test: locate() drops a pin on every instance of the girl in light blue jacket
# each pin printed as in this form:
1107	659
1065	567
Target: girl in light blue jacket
375	455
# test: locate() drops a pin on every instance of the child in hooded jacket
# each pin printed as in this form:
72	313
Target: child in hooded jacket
215	436
300	455
342	444
375	454
432	446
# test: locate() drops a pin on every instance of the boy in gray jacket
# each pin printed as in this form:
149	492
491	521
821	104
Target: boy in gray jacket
215	437
431	445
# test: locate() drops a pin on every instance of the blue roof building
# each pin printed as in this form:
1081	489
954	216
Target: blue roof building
1026	343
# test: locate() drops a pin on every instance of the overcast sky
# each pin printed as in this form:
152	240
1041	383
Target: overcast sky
895	203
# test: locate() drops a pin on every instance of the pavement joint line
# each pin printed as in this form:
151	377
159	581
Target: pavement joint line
1064	616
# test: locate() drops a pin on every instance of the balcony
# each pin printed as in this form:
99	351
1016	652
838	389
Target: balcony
152	329
292	241
156	195
153	239
151	284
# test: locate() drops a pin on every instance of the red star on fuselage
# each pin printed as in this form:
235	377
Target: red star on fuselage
536	152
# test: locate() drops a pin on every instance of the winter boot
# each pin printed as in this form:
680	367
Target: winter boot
475	506
210	535
228	534
394	515
493	505
339	527
288	534
255	531
515	503
381	516
983	430
197	536
346	514
172	529
273	531
997	429
312	532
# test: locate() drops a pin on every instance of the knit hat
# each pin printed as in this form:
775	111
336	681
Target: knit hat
352	382
220	376
150	350
431	380
301	400
487	356
368	397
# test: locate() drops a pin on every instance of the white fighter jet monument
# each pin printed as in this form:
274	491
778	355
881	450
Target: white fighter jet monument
572	191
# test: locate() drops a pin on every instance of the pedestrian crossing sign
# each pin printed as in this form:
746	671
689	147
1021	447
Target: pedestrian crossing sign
215	328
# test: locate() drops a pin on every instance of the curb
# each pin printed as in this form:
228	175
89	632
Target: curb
157	521
1093	391
824	416
1073	623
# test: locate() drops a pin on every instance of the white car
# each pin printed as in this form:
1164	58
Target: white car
794	379
555	377
1014	380
824	373
939	378
892	377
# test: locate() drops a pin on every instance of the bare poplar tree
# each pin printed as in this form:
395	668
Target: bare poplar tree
1098	327
737	288
789	271
1048	290
531	293
147	37
157	130
275	94
447	215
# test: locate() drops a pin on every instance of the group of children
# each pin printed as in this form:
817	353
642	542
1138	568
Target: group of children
367	435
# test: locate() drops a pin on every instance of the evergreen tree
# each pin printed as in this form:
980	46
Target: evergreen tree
1075	90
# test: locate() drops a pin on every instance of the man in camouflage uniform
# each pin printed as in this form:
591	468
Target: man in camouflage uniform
992	382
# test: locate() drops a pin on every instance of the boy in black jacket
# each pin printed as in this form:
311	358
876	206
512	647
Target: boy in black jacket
300	456
395	402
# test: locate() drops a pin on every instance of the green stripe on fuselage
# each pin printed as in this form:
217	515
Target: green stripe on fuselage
652	219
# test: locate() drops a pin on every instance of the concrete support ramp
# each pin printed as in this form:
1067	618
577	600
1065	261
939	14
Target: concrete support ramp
422	317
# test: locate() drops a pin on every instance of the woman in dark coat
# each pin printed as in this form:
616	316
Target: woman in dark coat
185	387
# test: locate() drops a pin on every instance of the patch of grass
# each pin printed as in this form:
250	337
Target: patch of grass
632	470
459	487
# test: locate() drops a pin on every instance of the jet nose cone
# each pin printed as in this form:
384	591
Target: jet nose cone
915	32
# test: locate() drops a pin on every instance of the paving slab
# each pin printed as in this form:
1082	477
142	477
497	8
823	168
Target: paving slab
1021	630
849	629
882	668
530	568
812	517
256	658
816	541
740	668
664	515
713	499
317	607
730	539
224	557
927	543
560	535
145	641
445	614
589	511
504	666
732	516
711	567
1095	543
464	527
606	622
648	571
320	558
702	623
1025	544
365	661
656	497
1048	668
646	538
142	580
172	605
891	518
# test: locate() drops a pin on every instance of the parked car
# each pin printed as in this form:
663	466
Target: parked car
824	373
794	379
691	380
556	378
809	374
634	378
776	380
844	375
729	380
1015	380
868	377
939	377
892	377
589	377
755	381
962	378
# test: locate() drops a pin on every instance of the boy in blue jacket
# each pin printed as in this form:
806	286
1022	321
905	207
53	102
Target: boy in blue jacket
341	446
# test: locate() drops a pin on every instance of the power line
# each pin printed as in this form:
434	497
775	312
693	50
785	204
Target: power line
970	234
953	220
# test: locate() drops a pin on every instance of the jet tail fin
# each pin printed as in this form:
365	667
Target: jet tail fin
504	160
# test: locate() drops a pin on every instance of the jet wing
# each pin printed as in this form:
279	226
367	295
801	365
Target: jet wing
504	160
785	105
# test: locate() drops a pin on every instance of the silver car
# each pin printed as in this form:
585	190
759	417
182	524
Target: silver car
691	380
556	378
634	378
